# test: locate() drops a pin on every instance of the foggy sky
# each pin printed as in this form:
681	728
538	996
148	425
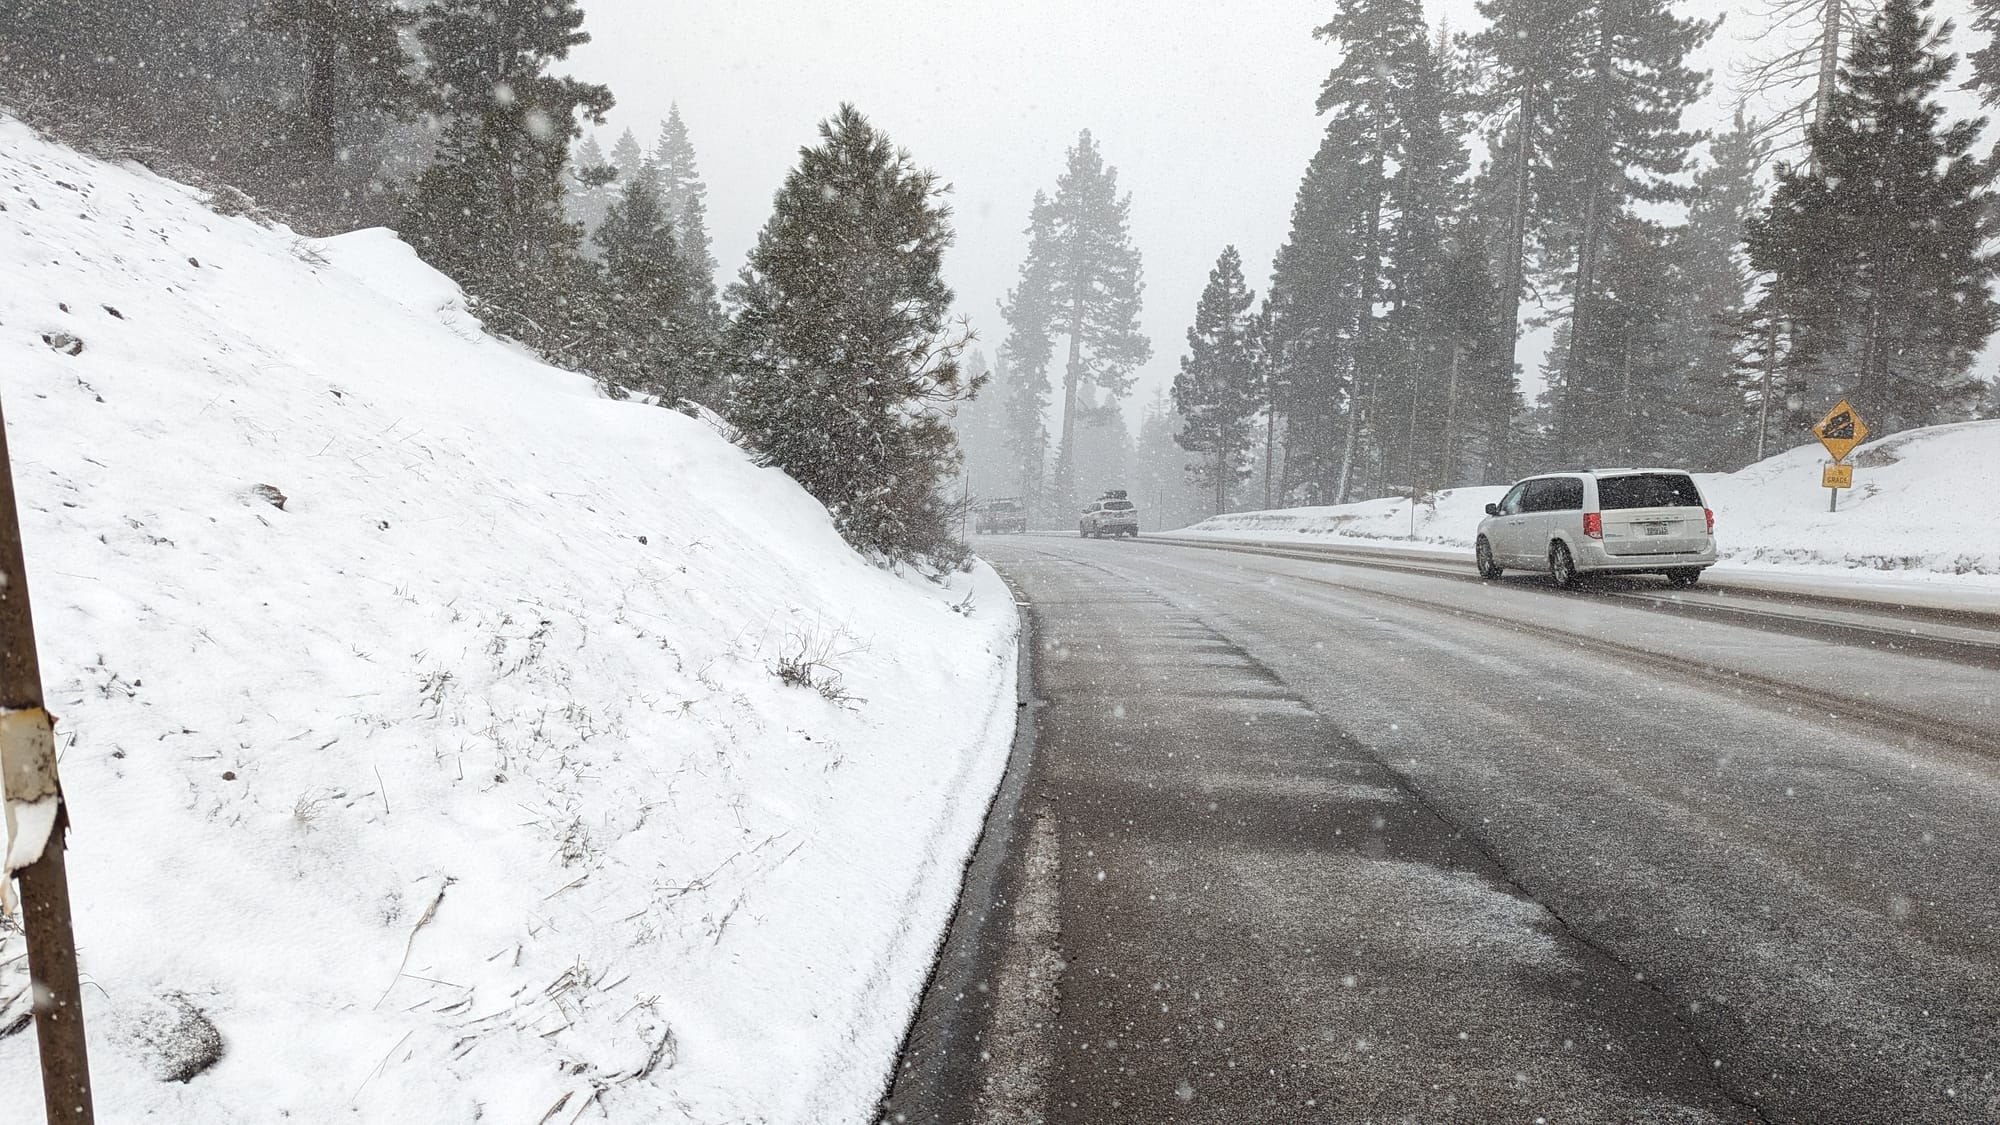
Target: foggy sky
1205	108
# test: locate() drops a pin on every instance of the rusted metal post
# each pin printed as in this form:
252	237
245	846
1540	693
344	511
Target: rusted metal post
27	749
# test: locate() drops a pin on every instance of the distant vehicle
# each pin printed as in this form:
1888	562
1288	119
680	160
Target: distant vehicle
1109	514
1627	521
1000	517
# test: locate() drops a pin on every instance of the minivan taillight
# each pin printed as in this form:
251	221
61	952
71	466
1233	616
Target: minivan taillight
1710	513
1593	524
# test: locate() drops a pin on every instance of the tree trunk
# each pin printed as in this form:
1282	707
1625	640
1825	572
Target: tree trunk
1445	459
1499	455
1873	385
1575	373
1764	395
1625	392
1829	61
1410	453
1072	378
322	58
1370	269
1270	452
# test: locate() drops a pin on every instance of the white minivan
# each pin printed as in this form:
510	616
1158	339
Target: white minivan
1626	521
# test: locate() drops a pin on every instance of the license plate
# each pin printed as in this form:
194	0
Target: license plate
1653	529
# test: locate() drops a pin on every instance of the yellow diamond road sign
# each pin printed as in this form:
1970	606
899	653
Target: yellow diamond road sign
1841	430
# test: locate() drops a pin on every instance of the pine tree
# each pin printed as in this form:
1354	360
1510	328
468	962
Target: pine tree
1640	346
1314	308
1372	89
489	210
684	193
1620	144
354	65
1474	409
1024	402
980	426
1528	54
1217	390
845	361
142	71
1876	249
1811	65
1166	495
1103	445
1355	367
1024	364
1091	274
647	297
1424	358
684	197
629	158
1986	60
1711	322
588	191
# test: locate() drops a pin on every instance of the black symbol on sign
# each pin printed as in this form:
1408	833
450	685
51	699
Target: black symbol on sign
1839	426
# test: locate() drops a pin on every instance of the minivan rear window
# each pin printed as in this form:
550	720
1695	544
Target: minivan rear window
1648	490
1118	506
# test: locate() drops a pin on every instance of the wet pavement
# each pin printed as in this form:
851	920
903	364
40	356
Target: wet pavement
1306	842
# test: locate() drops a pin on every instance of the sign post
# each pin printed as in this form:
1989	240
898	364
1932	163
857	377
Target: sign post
33	806
1840	431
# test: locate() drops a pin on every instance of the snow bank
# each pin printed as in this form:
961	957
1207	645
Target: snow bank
420	712
1925	505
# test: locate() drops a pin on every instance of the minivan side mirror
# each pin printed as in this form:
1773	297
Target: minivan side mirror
1492	509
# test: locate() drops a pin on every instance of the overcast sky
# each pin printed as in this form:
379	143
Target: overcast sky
1204	107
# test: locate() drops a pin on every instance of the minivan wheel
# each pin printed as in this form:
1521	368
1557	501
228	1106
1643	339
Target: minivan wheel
1482	557
1684	576
1562	568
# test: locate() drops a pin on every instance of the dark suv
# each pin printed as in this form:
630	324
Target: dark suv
999	517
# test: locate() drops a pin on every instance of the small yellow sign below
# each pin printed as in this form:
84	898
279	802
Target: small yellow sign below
1840	431
1836	476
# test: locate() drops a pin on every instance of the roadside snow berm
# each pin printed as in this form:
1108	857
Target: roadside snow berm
423	733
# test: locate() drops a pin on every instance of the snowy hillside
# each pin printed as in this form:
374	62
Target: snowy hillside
420	709
1923	504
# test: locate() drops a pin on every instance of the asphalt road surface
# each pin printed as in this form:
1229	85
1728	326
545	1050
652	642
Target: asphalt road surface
1312	842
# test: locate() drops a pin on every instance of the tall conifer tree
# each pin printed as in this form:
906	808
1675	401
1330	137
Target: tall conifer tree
1713	320
683	193
588	192
1528	53
647	299
846	363
354	64
1620	144
628	158
1877	249
684	197
1088	275
1024	362
1313	308
489	211
1217	390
